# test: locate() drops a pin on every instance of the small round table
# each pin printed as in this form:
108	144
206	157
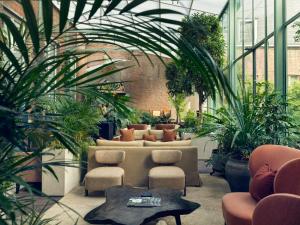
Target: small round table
115	210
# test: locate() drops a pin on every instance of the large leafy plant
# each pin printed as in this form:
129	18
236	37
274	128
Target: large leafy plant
27	72
202	30
252	121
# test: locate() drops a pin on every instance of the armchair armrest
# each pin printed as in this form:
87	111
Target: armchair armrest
277	209
287	179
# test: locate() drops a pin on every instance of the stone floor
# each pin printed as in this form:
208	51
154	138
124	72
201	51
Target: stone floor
75	205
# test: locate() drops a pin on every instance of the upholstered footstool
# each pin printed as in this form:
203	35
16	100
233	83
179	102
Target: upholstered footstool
107	175
167	175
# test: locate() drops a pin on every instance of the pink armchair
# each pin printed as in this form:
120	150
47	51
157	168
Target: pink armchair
281	208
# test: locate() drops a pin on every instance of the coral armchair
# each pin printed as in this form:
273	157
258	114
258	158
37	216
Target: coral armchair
241	209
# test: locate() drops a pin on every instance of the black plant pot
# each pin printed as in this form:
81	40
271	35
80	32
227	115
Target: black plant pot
237	175
218	162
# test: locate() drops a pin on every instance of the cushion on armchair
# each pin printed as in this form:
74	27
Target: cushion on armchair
262	184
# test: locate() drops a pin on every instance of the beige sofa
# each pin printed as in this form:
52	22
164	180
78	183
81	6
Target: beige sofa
138	162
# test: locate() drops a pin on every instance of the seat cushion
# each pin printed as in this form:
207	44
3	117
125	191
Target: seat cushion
167	177
100	178
238	208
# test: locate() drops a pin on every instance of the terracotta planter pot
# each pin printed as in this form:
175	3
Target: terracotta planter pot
237	175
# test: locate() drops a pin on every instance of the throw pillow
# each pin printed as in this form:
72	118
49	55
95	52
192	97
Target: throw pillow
262	184
149	137
169	135
127	135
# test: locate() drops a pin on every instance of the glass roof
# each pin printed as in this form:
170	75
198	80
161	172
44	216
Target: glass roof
186	7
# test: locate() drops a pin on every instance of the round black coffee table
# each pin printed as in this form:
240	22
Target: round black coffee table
115	210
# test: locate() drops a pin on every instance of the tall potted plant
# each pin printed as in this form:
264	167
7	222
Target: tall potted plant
201	30
250	122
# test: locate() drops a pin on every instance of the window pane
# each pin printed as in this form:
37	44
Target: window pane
248	23
239	72
249	70
238	28
270	16
260	64
225	27
259	20
270	61
293	53
292	8
293	65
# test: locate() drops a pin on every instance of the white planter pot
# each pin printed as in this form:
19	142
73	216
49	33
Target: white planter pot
68	177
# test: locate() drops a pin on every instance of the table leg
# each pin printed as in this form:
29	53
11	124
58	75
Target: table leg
178	220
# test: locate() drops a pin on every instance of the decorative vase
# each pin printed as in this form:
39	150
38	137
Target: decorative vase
237	175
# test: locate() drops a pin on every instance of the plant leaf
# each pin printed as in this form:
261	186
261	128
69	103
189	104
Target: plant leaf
157	12
63	14
79	9
96	6
17	36
31	24
132	5
111	6
47	18
11	57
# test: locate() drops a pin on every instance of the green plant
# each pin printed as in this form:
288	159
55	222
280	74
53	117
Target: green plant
250	122
202	31
148	118
191	122
179	103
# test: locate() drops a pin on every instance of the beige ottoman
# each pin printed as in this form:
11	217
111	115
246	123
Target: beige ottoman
167	175
107	175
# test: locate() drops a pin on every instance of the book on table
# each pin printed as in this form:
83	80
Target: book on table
144	202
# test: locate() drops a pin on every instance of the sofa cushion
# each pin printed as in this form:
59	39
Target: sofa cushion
110	157
158	133
166	156
139	143
169	135
262	183
164	126
138	134
238	208
169	143
167	177
149	137
138	126
127	134
103	177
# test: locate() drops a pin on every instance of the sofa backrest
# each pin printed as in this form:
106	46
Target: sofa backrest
273	155
138	162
